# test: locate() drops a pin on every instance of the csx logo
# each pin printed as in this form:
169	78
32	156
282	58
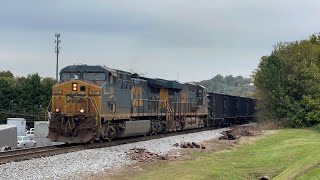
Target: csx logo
79	98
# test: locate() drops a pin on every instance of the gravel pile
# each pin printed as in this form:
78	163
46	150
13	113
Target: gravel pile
94	160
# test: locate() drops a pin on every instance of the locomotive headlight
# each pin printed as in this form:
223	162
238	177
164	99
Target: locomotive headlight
74	86
82	110
57	110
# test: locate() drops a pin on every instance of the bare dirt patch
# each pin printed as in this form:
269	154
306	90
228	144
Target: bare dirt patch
142	155
236	132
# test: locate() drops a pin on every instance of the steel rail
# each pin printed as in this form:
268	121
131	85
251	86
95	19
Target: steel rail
26	154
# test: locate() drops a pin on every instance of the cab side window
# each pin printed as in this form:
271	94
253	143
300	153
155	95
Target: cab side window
113	108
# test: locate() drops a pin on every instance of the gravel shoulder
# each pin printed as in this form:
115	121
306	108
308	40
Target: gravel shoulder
77	165
142	170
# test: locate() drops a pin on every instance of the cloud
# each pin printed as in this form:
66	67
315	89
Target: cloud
204	36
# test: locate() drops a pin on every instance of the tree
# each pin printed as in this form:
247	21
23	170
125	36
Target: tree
7	74
8	93
218	79
238	86
47	84
31	94
287	83
238	81
229	80
24	95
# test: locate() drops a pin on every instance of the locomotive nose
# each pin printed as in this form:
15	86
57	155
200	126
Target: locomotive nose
76	97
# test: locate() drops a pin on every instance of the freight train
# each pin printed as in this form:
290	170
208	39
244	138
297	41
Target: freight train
98	103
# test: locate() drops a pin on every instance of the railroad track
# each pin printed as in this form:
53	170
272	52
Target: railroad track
26	154
20	155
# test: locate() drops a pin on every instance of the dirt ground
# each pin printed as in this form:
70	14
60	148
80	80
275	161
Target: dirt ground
177	155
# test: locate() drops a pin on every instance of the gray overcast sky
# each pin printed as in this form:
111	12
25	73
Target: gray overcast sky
197	39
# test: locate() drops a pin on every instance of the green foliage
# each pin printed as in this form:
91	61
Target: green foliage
287	83
7	74
24	95
288	154
317	127
237	86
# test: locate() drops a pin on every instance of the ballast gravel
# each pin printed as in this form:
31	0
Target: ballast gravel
95	160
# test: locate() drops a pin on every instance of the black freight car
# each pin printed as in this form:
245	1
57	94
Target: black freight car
251	109
216	109
224	110
242	110
231	110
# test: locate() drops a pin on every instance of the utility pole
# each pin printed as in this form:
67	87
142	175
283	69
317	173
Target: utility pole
57	51
178	77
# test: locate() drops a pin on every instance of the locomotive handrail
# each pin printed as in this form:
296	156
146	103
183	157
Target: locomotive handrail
95	106
178	108
149	100
47	110
183	110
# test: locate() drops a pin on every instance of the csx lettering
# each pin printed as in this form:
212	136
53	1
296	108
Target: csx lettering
75	98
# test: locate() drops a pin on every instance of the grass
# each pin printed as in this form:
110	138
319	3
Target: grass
287	154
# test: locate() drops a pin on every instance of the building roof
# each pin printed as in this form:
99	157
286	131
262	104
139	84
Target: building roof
6	126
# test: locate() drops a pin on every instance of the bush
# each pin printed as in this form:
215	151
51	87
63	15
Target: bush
317	127
287	83
269	125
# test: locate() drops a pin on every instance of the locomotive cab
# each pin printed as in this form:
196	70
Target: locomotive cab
76	105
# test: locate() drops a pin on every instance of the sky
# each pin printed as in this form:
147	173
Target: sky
185	40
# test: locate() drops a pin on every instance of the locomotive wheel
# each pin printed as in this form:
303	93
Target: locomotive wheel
109	138
153	133
91	141
109	134
99	140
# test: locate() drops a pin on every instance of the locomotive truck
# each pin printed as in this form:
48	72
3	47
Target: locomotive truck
98	103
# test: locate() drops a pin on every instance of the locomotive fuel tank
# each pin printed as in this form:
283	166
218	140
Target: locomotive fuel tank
135	128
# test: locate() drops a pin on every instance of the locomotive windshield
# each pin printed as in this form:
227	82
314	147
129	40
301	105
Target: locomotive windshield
70	75
94	76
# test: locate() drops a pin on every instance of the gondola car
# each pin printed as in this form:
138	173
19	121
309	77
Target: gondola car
225	110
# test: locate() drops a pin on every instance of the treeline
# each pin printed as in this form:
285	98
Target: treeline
288	83
26	97
237	86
